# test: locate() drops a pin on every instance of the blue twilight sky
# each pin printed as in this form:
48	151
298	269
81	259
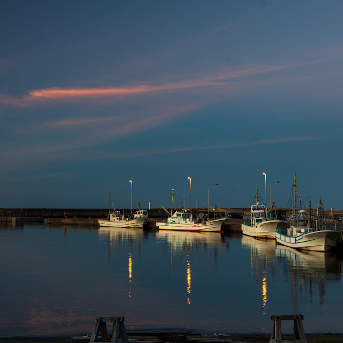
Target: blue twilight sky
95	93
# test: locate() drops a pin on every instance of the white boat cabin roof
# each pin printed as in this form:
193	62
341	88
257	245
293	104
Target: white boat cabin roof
142	212
182	214
257	208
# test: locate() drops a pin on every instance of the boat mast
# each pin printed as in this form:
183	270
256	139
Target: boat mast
294	195
171	210
309	205
257	196
109	204
309	215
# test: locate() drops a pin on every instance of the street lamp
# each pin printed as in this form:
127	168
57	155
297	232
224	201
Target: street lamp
131	195
270	188
190	195
208	199
265	191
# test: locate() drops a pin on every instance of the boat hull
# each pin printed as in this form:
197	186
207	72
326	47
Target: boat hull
265	229
136	223
192	227
321	240
216	223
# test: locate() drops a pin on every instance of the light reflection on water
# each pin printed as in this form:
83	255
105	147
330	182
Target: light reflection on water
54	281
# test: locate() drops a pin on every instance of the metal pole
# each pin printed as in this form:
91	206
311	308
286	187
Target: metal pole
131	195
265	191
171	211
190	195
208	199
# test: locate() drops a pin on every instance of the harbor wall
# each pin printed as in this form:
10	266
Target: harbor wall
73	221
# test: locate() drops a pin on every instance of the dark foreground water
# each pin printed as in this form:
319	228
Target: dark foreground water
55	281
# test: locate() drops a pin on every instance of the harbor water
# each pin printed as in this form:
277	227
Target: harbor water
56	280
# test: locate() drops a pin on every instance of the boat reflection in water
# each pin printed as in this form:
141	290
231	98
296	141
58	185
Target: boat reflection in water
262	257
120	234
184	242
308	270
314	262
259	247
185	239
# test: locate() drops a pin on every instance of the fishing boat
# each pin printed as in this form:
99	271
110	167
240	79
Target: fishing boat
301	233
181	220
115	219
260	225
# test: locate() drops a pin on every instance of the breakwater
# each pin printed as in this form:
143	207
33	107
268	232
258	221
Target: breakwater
63	216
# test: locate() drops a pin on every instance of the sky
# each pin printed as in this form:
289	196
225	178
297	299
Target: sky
96	93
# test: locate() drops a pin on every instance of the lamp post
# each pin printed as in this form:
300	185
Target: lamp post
265	191
270	195
208	200
190	195
131	195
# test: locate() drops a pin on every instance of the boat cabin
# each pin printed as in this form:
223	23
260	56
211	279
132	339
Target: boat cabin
298	225
115	216
141	214
257	214
180	217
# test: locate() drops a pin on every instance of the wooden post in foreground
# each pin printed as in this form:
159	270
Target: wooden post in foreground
299	335
100	334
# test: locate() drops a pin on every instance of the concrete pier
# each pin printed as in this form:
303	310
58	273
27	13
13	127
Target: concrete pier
232	225
8	221
13	221
150	225
73	221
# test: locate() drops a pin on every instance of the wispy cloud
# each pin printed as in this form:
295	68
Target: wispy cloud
36	155
224	79
227	26
218	146
215	80
81	122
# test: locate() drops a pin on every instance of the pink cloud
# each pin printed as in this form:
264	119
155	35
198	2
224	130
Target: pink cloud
210	81
223	80
81	122
59	93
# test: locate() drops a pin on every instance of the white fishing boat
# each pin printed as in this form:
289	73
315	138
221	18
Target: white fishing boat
302	235
115	219
181	220
259	226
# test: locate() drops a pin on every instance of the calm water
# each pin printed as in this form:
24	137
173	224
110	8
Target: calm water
54	281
